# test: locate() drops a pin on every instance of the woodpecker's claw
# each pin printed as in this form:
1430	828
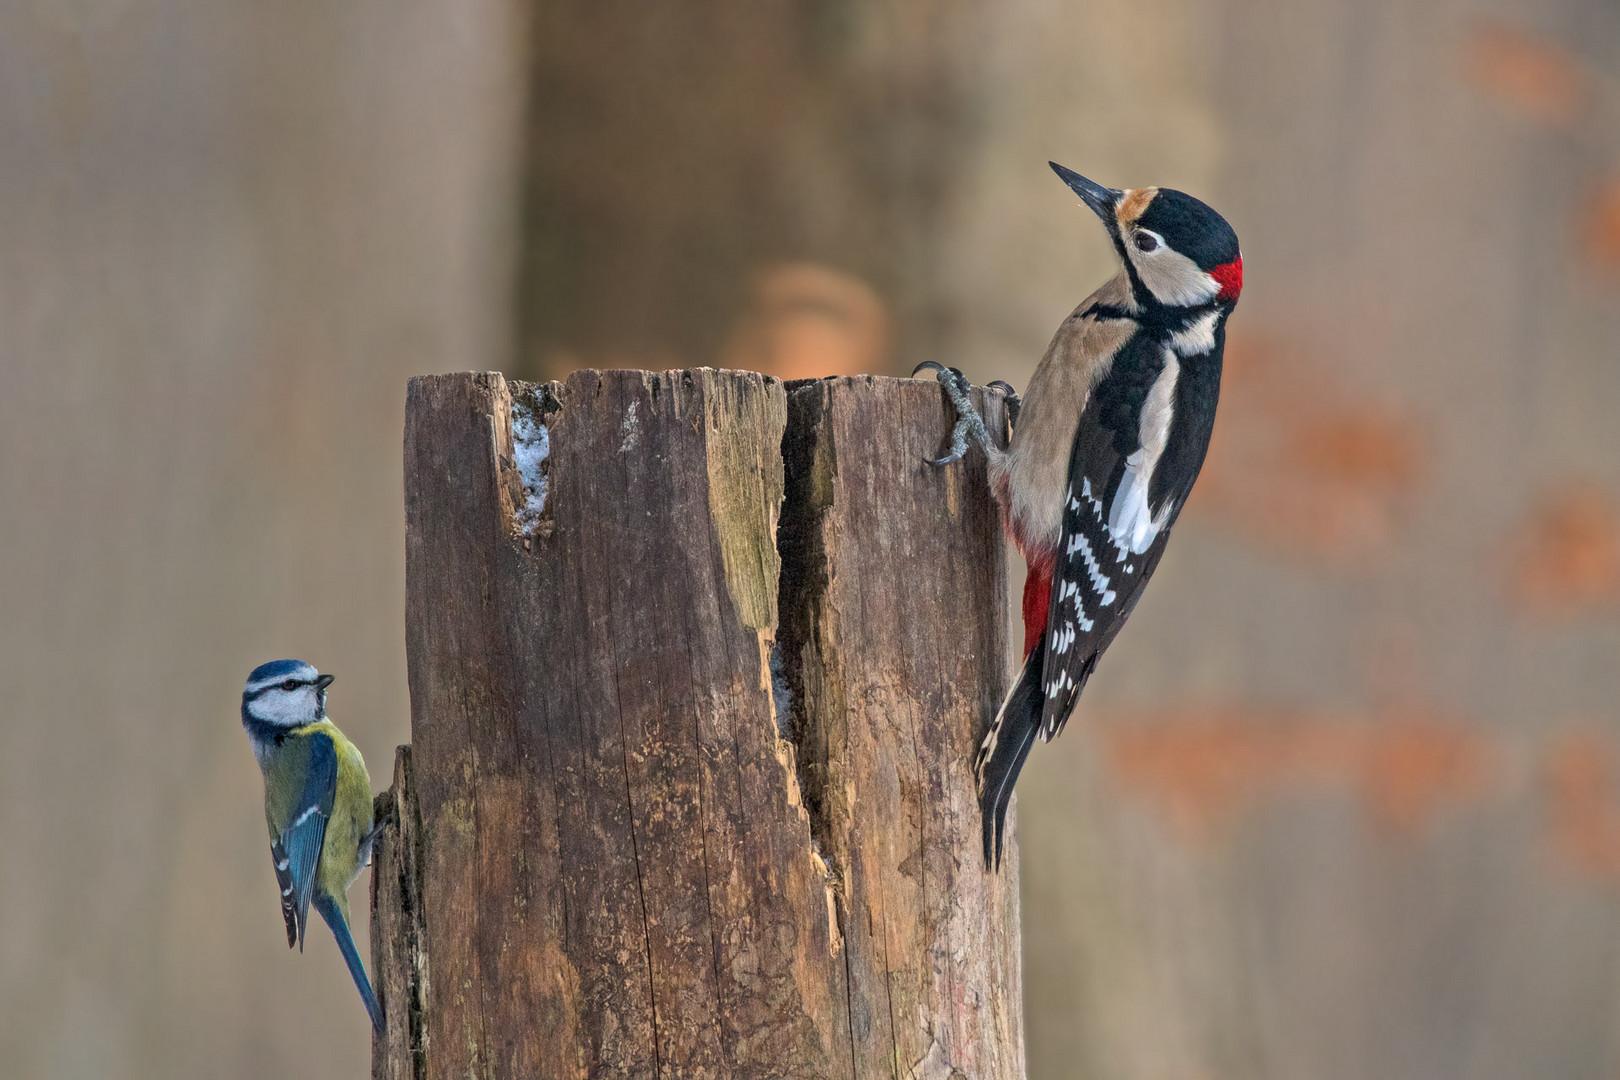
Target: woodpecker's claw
968	421
1010	396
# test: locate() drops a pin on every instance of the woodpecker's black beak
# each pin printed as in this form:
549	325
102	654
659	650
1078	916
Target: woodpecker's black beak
323	681
1102	200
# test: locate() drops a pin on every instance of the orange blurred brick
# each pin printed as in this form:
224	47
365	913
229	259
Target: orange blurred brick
1204	766
805	321
1599	227
1567	558
1526	73
1297	464
1584	812
1413	763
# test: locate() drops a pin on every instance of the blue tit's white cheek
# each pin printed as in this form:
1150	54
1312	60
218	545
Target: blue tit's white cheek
286	708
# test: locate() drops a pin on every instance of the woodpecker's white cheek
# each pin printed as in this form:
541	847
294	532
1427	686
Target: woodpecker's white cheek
1197	339
1172	278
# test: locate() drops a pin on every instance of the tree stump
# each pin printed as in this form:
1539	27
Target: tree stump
698	665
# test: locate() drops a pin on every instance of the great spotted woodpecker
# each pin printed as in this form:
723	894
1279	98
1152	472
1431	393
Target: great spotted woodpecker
1109	438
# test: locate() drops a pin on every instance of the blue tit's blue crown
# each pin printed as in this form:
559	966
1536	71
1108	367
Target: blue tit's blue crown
283	694
279	671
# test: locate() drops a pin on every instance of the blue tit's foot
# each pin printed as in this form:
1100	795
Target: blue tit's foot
968	421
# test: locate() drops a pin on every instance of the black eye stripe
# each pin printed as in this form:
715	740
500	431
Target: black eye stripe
253	695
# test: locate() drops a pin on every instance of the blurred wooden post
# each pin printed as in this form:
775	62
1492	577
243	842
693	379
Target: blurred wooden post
634	836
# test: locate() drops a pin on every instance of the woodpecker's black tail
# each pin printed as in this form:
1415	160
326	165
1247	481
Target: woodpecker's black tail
1004	749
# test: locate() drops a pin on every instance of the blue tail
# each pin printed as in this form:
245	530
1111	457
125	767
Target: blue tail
340	930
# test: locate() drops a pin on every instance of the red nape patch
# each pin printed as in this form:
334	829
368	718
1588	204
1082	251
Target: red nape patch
1037	597
1230	276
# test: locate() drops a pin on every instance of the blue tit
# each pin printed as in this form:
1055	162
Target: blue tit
317	802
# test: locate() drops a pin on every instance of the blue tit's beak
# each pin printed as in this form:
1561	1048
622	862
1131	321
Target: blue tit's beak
1102	200
323	681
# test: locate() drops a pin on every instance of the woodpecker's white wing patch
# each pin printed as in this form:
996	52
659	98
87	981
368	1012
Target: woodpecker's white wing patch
1132	523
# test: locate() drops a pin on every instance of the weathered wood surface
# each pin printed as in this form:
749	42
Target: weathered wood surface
898	640
620	847
398	963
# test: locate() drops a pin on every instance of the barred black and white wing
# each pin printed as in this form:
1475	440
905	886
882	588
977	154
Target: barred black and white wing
1136	452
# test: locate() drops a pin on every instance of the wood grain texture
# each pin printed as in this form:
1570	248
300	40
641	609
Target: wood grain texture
895	619
617	872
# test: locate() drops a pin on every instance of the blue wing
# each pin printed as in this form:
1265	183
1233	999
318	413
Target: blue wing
296	846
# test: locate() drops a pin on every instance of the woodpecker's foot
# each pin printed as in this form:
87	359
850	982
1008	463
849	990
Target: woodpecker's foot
968	421
1010	396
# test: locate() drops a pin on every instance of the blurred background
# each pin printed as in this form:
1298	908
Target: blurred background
1344	802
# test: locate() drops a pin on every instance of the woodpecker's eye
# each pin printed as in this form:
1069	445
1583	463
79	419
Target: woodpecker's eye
1146	241
290	684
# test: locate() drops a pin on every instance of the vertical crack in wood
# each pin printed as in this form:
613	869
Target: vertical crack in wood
641	888
891	646
479	1047
708	885
410	817
808	460
888	999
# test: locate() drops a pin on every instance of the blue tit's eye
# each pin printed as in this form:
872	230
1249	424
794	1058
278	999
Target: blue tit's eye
1146	242
290	684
